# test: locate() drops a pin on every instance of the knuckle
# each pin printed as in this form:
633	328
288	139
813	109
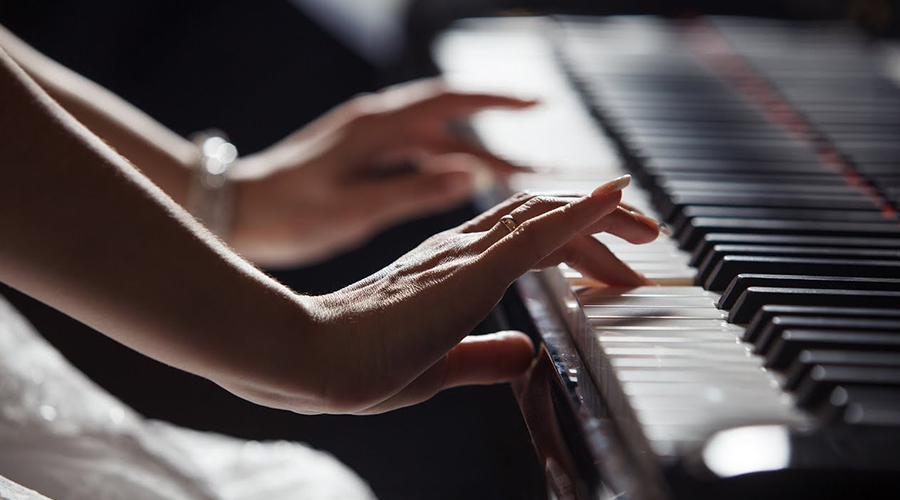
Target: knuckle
521	196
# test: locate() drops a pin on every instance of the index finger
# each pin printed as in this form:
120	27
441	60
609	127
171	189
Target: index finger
455	103
434	98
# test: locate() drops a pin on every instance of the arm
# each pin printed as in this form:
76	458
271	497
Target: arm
85	232
314	193
161	154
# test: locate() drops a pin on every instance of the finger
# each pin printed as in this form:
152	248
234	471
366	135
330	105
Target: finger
476	360
537	238
595	261
487	220
446	103
631	208
499	165
433	97
414	194
534	207
627	225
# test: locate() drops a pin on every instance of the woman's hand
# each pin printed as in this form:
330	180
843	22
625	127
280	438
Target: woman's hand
325	188
399	336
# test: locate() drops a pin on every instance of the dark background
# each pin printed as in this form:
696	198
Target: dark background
259	70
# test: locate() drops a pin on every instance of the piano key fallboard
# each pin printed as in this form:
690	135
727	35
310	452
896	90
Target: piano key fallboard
767	359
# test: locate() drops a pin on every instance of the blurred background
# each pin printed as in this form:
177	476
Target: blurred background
260	70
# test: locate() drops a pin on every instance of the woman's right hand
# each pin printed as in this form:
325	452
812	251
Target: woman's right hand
399	336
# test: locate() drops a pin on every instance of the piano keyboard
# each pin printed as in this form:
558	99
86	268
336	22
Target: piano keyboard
771	341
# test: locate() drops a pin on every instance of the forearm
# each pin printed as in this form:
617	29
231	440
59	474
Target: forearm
161	154
86	233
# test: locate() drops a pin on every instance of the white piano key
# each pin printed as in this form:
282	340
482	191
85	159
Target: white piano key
660	363
636	313
660	324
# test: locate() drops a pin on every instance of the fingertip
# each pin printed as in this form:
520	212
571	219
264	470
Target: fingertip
613	186
525	102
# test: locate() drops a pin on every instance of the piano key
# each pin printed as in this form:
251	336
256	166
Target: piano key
823	379
807	359
712	239
732	265
720	252
700	226
764	315
658	166
723	153
690	212
779	324
791	342
865	406
670	207
754	298
744	281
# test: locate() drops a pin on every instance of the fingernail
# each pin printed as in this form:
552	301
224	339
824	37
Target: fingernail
613	186
665	229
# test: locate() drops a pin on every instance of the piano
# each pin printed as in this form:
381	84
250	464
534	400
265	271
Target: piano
766	363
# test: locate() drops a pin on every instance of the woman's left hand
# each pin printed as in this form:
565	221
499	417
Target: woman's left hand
324	189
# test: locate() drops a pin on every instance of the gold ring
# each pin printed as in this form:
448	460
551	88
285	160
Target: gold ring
509	222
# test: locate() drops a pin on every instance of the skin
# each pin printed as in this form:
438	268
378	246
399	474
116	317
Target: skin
87	232
317	192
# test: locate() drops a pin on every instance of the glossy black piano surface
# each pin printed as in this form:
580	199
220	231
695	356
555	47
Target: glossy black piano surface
766	364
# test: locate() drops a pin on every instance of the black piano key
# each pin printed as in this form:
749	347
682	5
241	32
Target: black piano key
699	227
823	379
800	368
823	178
626	131
762	318
670	206
790	343
744	281
688	213
762	186
720	139
733	265
754	298
723	153
712	239
658	166
864	406
779	324
719	252
867	168
684	114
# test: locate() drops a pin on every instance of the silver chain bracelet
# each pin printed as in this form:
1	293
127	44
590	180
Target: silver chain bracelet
210	196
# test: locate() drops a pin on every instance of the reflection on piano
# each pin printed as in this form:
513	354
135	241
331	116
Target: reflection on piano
767	362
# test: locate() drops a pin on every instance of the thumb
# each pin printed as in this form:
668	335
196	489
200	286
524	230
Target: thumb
477	360
488	359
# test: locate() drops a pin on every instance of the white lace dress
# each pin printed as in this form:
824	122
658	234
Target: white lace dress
66	438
